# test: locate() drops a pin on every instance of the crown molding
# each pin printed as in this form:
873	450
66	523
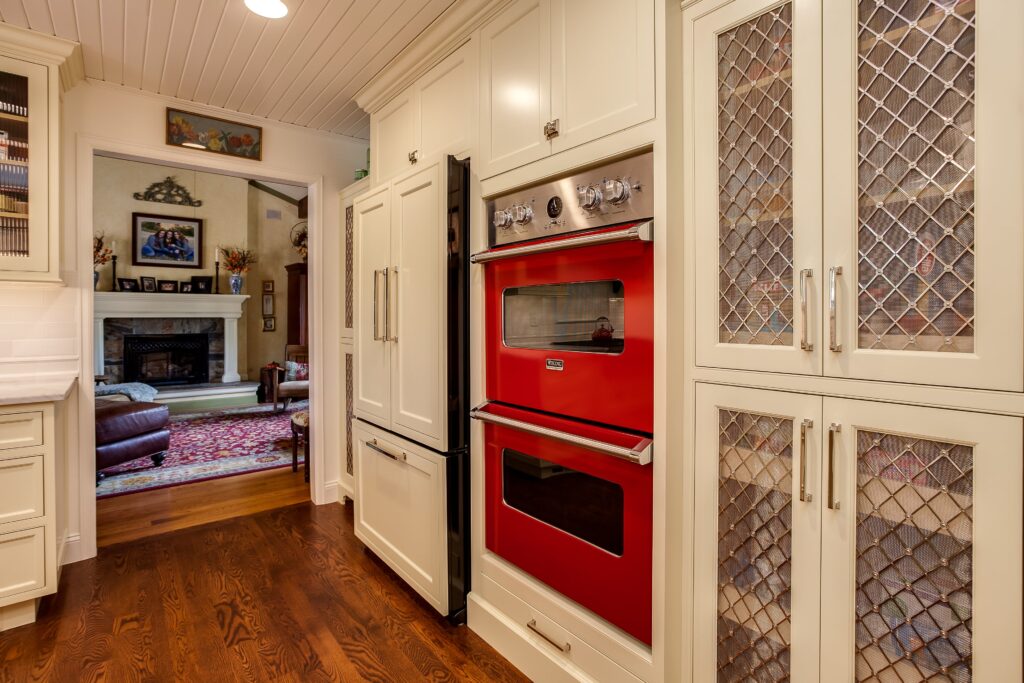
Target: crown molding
445	35
38	47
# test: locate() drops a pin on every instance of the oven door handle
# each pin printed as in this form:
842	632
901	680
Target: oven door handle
640	454
643	232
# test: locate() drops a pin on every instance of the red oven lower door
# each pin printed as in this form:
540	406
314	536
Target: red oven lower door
572	332
578	520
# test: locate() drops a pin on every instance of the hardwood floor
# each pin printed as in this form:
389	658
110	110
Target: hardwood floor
138	515
283	595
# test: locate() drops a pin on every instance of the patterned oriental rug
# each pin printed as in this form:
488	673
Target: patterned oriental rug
211	445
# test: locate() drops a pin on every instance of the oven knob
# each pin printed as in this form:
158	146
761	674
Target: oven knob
503	218
522	214
617	191
590	197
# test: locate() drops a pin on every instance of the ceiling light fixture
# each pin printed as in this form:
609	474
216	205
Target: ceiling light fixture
271	9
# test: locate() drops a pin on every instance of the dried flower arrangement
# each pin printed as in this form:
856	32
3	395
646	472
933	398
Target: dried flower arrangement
300	239
238	260
101	254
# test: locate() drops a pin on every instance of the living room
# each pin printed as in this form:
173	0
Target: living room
200	343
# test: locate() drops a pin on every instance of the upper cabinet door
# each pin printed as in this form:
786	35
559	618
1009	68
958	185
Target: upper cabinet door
372	395
447	101
924	156
395	136
24	168
753	135
418	304
921	544
602	67
515	87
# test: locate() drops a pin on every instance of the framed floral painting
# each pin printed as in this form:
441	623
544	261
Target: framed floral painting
198	131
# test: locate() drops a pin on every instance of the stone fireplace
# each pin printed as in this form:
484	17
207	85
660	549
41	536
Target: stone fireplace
166	359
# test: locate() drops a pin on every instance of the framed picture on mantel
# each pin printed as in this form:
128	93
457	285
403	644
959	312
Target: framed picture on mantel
167	241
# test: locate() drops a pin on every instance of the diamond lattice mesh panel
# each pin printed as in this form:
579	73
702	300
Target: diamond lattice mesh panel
916	175
914	530
755	181
754	546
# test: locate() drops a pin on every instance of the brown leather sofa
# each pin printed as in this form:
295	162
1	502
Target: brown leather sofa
126	430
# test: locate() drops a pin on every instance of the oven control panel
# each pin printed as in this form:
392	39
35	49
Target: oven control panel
618	192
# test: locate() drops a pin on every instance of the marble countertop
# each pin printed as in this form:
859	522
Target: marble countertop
40	389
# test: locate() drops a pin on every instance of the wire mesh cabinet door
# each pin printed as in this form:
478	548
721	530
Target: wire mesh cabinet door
921	544
753	141
757	574
924	160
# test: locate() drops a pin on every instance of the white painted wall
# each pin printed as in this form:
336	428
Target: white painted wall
45	328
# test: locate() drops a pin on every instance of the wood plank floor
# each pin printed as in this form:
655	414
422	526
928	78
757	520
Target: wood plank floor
282	595
138	515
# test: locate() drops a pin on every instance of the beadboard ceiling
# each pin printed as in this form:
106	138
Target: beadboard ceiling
303	69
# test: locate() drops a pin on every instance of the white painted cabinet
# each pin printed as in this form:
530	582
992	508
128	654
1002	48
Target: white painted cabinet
400	332
435	114
555	74
854	540
400	510
900	266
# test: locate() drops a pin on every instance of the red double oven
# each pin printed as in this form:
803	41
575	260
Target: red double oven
570	375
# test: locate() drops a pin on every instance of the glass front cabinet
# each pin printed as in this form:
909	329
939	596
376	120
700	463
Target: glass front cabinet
852	540
30	74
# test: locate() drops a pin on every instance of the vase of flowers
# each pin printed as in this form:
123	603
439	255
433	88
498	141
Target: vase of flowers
101	256
237	261
300	239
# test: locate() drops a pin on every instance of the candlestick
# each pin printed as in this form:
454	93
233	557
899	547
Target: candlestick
113	272
216	275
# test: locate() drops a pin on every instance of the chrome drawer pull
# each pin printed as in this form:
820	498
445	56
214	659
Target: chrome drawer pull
833	343
641	454
532	625
643	232
805	275
372	445
833	504
804	426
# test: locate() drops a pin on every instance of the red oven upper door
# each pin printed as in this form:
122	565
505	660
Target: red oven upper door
572	332
575	519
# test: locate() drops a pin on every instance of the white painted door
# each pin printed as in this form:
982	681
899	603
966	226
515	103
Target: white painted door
395	135
418	304
924	160
447	100
372	394
602	68
24	191
400	510
753	126
757	548
515	87
921	544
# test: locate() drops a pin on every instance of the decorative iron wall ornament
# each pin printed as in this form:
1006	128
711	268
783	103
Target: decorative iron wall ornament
168	191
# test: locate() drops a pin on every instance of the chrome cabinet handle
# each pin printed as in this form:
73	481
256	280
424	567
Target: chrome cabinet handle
376	307
414	156
833	343
387	305
392	325
804	426
532	625
551	129
643	232
833	428
805	275
372	445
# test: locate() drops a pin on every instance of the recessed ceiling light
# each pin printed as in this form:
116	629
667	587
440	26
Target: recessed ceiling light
271	9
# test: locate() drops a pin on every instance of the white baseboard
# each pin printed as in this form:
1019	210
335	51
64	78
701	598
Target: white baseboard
511	641
74	550
19	614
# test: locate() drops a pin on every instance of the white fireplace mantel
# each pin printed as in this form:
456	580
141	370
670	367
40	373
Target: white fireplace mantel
150	305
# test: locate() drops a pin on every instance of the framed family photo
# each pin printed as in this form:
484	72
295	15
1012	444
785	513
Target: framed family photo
167	241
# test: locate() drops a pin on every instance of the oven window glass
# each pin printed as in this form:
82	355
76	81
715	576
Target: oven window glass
571	316
585	506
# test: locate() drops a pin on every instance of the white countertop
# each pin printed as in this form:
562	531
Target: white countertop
40	389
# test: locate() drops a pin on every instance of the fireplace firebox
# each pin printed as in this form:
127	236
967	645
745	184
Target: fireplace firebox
166	359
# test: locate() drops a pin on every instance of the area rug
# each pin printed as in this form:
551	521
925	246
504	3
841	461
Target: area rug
211	445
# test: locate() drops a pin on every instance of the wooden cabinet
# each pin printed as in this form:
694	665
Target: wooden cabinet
400	333
855	540
555	74
912	276
434	115
400	511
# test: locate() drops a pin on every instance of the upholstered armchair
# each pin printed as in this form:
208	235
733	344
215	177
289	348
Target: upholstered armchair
292	381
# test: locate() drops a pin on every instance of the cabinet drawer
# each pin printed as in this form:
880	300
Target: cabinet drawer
400	510
21	489
22	562
21	430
